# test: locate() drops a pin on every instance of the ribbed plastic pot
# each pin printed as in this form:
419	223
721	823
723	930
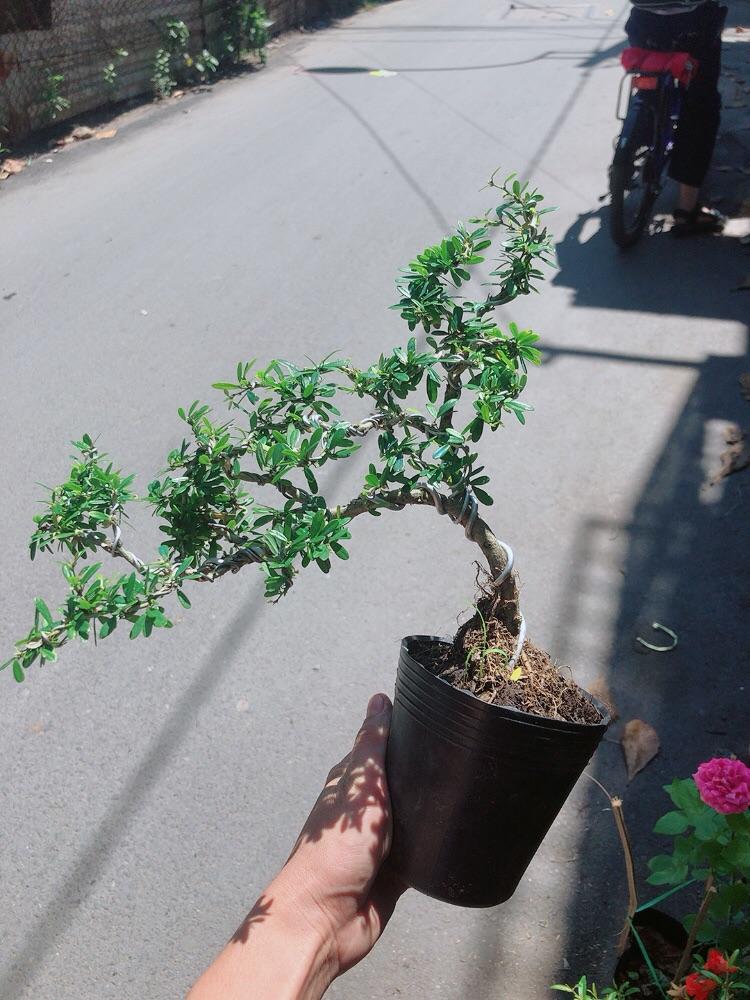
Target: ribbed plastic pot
474	787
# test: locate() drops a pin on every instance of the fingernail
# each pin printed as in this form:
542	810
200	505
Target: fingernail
376	705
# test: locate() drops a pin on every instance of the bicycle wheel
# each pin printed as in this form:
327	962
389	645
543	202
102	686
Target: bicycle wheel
633	190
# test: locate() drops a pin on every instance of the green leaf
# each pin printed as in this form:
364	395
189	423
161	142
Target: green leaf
18	674
647	959
44	611
483	497
138	626
684	793
183	599
671	824
311	480
447	406
709	825
665	895
667	870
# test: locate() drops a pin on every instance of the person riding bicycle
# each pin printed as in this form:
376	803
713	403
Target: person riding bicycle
692	26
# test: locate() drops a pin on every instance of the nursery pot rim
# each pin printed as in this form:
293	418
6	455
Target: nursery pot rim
517	714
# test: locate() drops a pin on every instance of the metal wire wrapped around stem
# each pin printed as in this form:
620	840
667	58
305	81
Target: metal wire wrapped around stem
467	517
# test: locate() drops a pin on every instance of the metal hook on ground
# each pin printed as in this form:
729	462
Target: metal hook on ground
659	649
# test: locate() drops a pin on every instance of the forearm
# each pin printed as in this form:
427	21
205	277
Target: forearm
274	955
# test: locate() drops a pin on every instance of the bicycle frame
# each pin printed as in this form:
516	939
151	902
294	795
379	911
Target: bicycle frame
662	100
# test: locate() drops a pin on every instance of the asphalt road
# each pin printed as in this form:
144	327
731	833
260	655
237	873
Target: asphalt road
150	789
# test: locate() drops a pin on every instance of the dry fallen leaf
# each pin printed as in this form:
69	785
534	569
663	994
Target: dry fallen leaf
600	689
81	132
736	456
11	166
106	133
640	744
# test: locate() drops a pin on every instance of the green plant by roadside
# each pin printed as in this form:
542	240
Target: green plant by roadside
172	58
51	95
585	991
205	65
246	30
285	428
111	71
711	847
173	63
176	36
162	79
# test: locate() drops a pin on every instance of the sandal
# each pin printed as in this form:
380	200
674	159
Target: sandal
700	222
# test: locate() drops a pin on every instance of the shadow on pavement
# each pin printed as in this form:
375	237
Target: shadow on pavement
686	564
690	277
348	70
56	917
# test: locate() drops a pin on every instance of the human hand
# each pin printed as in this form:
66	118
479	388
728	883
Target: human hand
329	904
336	862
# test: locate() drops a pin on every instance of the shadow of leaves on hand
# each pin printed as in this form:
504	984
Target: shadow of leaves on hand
257	915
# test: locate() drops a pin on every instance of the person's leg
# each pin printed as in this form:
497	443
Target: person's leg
700	34
687	198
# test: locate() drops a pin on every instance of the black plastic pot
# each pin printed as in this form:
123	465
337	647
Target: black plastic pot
474	787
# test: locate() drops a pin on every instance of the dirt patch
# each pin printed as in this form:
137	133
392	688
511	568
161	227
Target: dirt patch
479	661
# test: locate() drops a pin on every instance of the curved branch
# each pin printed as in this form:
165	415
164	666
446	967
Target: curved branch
479	532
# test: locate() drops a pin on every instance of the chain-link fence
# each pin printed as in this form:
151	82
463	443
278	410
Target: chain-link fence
59	58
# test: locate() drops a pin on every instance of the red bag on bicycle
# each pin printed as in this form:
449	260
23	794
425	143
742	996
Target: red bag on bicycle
681	65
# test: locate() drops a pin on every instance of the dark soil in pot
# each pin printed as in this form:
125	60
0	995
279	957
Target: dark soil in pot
478	662
482	756
664	939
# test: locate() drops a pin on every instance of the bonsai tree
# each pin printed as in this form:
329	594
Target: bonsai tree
487	731
285	426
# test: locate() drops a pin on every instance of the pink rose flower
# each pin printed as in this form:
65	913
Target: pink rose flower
724	784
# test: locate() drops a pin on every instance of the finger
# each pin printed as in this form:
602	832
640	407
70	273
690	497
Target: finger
370	743
337	770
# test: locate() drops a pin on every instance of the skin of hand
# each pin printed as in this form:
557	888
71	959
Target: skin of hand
329	904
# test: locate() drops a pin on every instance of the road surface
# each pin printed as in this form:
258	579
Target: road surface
151	788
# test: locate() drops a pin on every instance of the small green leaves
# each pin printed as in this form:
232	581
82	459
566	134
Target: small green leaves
429	402
18	674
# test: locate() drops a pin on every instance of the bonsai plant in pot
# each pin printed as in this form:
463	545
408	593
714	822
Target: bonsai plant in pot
487	736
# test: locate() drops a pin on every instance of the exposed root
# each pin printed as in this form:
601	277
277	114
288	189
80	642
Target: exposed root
478	662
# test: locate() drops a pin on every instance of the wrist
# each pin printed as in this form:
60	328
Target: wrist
306	935
278	953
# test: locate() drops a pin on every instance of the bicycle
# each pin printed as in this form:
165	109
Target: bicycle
658	81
